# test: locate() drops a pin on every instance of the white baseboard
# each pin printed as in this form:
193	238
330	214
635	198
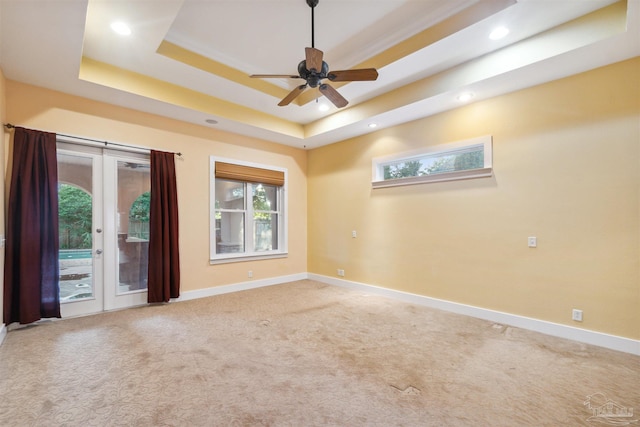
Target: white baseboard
600	339
3	333
242	286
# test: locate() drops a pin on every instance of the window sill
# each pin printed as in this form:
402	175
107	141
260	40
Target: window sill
242	258
425	179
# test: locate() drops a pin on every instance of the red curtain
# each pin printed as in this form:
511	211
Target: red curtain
31	288
164	257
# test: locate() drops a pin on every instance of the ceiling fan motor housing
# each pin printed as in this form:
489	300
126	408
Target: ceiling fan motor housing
313	77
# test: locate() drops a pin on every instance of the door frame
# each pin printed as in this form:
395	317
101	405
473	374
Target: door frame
94	304
105	257
113	299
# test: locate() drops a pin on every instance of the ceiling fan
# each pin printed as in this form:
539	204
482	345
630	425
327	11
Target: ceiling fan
313	70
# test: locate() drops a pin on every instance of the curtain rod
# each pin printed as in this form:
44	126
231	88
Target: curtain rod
10	126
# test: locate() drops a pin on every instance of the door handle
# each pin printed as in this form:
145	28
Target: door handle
98	230
98	251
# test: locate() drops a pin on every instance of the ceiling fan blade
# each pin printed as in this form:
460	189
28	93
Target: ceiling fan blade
361	74
292	95
313	58
333	95
274	76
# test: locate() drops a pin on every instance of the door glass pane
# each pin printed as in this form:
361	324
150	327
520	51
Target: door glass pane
133	197
75	206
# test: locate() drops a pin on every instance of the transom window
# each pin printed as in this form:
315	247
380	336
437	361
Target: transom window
248	211
459	160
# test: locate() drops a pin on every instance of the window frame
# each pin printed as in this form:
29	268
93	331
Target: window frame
282	212
379	163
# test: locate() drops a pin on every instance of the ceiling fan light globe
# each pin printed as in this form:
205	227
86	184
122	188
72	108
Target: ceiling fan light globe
302	69
325	69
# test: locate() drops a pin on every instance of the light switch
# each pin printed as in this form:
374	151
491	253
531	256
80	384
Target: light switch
354	234
533	242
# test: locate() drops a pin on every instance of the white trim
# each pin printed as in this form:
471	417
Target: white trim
96	156
88	142
600	339
440	177
3	333
242	258
242	286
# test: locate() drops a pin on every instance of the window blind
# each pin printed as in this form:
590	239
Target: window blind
249	174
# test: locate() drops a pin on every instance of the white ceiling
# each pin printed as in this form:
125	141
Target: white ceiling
67	45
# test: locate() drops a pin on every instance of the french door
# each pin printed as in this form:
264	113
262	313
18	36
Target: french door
103	218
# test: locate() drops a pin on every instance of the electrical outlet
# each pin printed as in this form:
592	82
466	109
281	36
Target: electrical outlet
576	315
340	272
532	242
354	234
250	274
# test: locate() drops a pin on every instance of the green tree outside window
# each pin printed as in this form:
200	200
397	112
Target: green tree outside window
74	217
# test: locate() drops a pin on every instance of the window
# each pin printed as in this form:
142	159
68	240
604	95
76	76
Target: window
248	209
459	160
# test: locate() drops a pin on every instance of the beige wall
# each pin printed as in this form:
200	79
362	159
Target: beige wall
566	169
38	108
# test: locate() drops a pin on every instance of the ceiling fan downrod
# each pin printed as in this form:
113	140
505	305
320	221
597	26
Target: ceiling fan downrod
312	4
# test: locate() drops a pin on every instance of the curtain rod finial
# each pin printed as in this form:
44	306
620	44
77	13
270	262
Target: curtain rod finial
9	126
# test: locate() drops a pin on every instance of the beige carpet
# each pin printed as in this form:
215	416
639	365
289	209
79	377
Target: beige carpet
304	354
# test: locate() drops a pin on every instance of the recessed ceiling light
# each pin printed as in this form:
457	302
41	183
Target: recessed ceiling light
464	97
498	33
121	28
323	107
373	125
